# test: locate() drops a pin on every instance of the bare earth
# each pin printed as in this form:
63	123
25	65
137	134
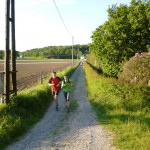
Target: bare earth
58	130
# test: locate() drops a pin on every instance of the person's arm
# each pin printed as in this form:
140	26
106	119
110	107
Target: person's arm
49	83
62	84
59	82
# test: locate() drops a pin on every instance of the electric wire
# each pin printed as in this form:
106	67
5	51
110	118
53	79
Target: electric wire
61	18
66	29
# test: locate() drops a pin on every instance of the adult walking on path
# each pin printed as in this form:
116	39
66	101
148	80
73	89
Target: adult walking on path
78	130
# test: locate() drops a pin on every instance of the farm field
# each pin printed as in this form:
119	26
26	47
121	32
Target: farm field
29	72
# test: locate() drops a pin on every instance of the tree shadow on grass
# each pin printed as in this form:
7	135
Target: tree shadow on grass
108	114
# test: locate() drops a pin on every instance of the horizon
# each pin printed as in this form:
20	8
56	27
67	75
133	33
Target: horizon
38	24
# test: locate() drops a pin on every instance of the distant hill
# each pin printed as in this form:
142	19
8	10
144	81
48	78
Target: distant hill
64	52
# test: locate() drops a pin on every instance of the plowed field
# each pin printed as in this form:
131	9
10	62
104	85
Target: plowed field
29	72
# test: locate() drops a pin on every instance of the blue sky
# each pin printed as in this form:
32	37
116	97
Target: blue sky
38	23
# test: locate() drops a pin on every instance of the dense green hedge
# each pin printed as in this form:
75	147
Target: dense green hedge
123	108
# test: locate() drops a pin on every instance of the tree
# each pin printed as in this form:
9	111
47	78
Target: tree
125	33
139	20
56	51
1	54
111	39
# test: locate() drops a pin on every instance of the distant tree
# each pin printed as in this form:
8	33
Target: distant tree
57	51
1	54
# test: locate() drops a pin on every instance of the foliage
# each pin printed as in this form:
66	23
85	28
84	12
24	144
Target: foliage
62	52
137	69
93	60
1	54
124	109
125	33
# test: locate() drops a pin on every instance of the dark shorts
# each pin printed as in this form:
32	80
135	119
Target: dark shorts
66	95
55	92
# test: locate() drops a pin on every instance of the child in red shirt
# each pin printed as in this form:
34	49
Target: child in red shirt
55	83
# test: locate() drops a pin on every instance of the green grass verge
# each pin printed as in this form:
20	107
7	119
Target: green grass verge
24	110
121	108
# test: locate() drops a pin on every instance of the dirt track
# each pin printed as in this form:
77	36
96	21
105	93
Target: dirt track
78	130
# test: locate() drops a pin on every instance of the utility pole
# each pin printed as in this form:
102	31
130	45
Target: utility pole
7	55
7	71
72	51
13	50
78	54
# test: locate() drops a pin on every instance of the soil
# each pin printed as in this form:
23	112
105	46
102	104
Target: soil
30	72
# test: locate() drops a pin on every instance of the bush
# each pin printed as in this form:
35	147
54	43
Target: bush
137	69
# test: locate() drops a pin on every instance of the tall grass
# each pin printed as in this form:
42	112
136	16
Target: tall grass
122	108
24	110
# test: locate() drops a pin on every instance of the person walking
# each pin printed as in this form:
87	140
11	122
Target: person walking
66	86
55	83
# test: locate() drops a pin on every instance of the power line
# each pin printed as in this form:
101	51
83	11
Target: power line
61	18
67	31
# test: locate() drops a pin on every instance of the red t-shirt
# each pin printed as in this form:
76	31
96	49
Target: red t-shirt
55	81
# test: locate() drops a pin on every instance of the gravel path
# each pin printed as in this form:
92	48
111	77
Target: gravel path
78	130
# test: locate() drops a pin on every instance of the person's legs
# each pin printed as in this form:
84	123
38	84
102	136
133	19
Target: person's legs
66	95
55	94
56	99
68	102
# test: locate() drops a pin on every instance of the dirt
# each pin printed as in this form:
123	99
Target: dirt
30	72
59	130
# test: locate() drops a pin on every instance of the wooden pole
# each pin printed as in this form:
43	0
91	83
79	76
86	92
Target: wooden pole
72	52
13	50
7	55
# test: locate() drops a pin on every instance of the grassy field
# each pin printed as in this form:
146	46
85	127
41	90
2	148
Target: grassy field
121	108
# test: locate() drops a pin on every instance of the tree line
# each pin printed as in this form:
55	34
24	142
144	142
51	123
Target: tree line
126	32
57	52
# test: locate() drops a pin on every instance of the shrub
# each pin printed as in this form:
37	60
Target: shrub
137	69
